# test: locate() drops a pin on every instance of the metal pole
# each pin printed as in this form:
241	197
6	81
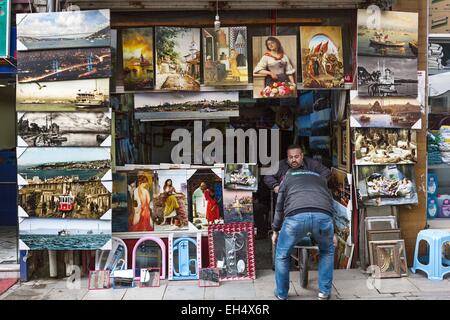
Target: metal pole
50	5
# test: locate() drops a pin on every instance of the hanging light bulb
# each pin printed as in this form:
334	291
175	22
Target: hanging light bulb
217	21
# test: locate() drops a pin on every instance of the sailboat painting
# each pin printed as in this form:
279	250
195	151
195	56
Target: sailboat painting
53	234
137	44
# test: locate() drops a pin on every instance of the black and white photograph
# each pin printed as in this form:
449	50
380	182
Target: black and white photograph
63	129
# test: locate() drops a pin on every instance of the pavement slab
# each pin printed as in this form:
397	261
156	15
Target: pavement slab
153	293
65	294
396	286
184	292
231	290
106	294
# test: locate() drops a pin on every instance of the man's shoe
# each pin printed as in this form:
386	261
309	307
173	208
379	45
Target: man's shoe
277	296
323	296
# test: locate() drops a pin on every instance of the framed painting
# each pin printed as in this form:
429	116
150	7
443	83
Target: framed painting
400	245
344	146
150	277
209	277
99	279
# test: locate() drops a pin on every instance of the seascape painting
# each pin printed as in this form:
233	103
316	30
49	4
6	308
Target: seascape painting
67	29
238	206
78	95
55	234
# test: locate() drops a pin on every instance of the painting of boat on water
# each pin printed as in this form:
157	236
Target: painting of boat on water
56	234
63	129
238	206
137	44
56	165
67	29
395	36
78	95
63	64
385	113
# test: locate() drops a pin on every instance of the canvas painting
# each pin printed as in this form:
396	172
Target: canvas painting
137	46
119	204
387	185
322	57
65	200
225	56
396	35
231	248
238	206
341	187
61	165
387	77
209	277
385	113
186	106
57	234
63	64
241	176
275	67
77	95
205	196
63	129
170	202
385	146
140	196
68	29
177	58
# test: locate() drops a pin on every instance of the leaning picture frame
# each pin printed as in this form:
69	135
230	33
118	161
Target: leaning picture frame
150	277
385	256
383	235
99	279
400	243
209	277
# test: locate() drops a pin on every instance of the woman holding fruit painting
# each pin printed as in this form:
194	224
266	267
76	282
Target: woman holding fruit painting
276	66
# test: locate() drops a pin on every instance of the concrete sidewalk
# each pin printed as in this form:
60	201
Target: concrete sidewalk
347	284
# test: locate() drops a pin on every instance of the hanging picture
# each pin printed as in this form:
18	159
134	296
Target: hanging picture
63	64
385	113
55	234
65	200
99	279
140	196
205	196
275	67
63	165
184	257
63	129
385	146
62	30
186	106
387	54
225	56
386	185
344	146
177	58
241	176
238	206
137	51
78	95
322	57
231	250
170	202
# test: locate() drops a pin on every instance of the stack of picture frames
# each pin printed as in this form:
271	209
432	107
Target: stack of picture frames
386	248
386	111
64	131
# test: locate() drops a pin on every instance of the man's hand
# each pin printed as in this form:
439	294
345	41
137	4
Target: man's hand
274	237
276	189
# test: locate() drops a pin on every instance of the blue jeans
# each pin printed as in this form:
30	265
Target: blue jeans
295	228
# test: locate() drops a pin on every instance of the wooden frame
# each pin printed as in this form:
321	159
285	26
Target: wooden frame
402	253
344	146
392	220
393	234
389	267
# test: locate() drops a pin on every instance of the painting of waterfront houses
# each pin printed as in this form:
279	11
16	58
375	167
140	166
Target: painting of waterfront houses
177	58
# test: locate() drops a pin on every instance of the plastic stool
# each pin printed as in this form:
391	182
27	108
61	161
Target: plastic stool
435	239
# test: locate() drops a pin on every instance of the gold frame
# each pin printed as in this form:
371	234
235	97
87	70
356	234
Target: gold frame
344	126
